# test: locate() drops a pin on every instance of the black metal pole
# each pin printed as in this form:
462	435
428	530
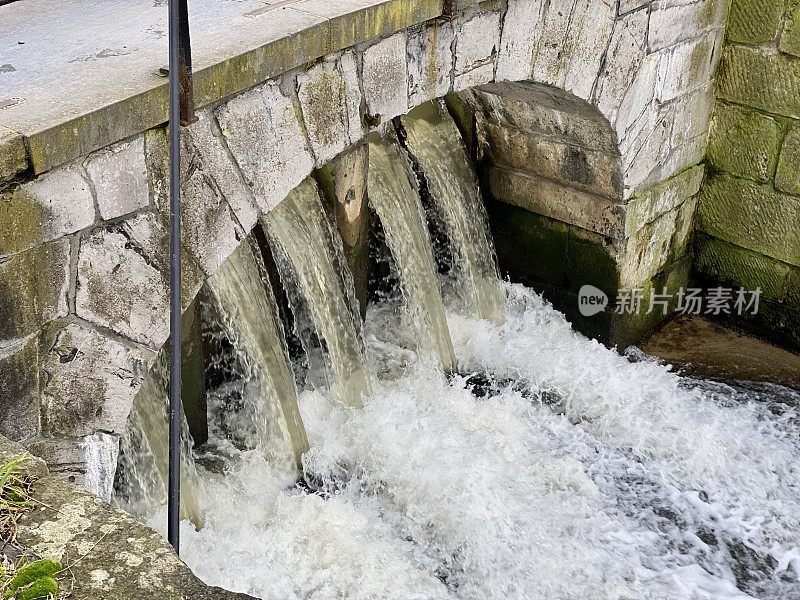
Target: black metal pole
174	491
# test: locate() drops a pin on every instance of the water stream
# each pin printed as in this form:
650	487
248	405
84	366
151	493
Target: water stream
309	253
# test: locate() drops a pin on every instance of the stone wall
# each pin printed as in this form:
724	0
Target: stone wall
84	203
749	209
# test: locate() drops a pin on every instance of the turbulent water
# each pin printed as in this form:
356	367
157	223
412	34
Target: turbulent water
563	470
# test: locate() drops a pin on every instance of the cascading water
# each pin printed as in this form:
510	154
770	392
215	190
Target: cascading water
249	316
435	144
308	253
398	207
551	467
141	483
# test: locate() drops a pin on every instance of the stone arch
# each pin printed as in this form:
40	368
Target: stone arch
93	223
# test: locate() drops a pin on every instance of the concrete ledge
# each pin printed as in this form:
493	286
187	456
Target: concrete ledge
116	104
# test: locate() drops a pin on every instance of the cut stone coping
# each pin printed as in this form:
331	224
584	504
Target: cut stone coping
81	75
105	552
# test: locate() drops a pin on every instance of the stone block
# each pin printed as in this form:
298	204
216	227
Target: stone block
385	79
685	67
344	185
476	49
354	98
33	287
119	176
19	389
636	103
551	199
522	28
674	21
265	136
692	116
760	78
430	62
91	382
751	216
588	170
743	142
792	297
624	58
120	289
790	38
591	260
219	164
787	178
322	95
13	156
647	206
737	267
149	233
55	204
754	21
573	43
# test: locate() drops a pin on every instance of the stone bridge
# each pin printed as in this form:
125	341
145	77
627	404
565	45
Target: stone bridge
588	120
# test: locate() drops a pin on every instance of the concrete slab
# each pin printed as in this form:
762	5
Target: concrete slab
76	76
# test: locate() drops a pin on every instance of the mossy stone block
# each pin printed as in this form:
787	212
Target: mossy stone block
790	38
787	178
743	142
761	78
590	261
735	267
528	244
793	289
754	21
751	216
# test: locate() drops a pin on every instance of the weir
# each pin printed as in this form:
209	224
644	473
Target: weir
398	206
309	252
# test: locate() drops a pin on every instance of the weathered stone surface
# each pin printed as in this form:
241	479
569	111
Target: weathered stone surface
738	267
120	289
685	67
19	390
792	297
588	170
754	21
574	39
33	289
31	466
149	234
519	39
13	157
385	79
751	216
623	62
657	245
790	38
119	176
476	48
647	147
636	107
787	178
673	21
692	117
354	98
56	204
544	110
430	62
626	6
761	78
221	167
266	138
556	201
109	553
322	97
91	382
344	184
744	142
663	198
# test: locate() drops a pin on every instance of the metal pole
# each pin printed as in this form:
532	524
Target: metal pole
174	491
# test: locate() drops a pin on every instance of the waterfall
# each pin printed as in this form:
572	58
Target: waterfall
400	211
249	317
435	144
143	469
309	255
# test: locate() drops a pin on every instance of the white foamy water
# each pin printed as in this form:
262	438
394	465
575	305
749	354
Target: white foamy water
570	472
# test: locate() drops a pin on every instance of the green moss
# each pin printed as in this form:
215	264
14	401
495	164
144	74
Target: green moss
23	220
787	178
34	573
743	142
790	38
754	21
590	262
